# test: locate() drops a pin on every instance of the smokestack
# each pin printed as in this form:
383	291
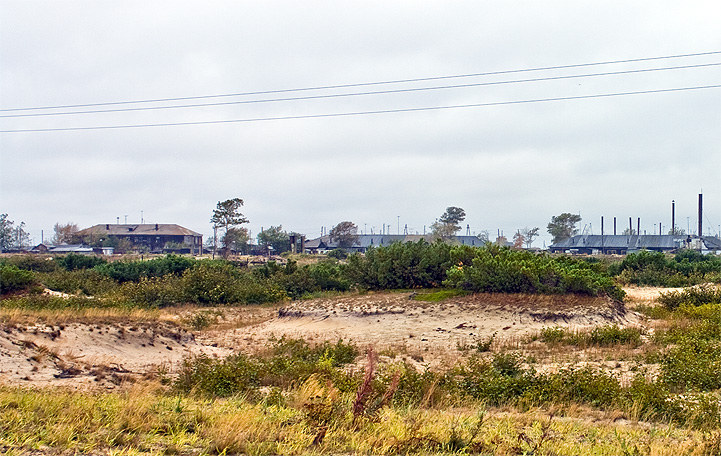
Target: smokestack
630	225
700	214
602	228
614	226
673	216
638	227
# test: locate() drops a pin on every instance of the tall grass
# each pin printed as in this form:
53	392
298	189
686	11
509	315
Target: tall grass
146	421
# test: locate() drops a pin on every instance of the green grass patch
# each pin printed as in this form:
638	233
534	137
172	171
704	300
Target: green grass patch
440	295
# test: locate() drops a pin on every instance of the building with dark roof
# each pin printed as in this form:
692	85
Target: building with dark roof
623	244
365	241
155	237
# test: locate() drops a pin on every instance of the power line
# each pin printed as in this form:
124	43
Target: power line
354	94
364	84
360	113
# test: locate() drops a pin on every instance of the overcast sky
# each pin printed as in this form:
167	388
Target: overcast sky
508	165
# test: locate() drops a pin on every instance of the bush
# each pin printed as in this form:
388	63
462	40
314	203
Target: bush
606	336
410	265
220	283
78	281
338	254
232	375
694	364
133	271
600	336
694	296
585	386
153	292
288	361
33	263
688	267
14	279
501	270
74	261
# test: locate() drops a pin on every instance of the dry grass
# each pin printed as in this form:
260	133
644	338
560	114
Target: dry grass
146	421
25	317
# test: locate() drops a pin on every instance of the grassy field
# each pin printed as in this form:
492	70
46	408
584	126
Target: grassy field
554	392
147	420
485	352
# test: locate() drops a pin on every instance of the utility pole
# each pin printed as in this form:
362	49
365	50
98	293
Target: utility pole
215	239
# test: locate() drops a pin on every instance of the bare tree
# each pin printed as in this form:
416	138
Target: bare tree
529	235
64	233
518	240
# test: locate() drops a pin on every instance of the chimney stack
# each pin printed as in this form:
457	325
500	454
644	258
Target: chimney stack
700	215
673	216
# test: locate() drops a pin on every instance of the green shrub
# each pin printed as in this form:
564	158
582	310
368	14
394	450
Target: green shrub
600	336
410	265
694	296
214	377
651	400
338	254
585	386
133	271
694	364
499	381
154	292
688	267
13	279
289	361
494	269
74	261
330	276
33	263
212	283
610	335
553	335
78	281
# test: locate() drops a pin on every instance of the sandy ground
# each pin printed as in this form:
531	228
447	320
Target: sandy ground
111	355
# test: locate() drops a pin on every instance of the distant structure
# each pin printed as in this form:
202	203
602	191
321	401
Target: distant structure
365	241
624	244
155	237
629	243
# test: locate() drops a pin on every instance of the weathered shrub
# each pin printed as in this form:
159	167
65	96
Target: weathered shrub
14	279
74	261
694	296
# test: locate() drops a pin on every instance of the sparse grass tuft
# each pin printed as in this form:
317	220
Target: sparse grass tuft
440	295
600	336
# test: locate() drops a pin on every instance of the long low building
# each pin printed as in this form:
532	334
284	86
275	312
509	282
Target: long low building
365	241
622	244
156	237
